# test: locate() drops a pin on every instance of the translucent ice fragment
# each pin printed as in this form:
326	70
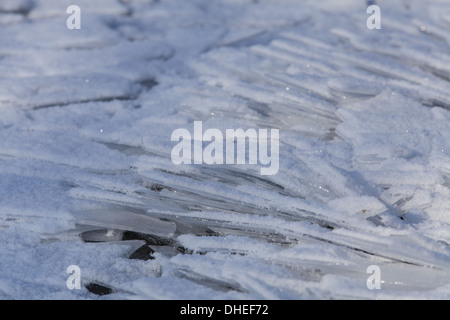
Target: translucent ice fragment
122	219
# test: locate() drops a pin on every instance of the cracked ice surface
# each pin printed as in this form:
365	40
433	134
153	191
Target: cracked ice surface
85	127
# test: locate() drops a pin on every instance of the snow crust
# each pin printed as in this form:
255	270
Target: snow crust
86	118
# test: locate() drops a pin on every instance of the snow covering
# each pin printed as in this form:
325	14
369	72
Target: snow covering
86	176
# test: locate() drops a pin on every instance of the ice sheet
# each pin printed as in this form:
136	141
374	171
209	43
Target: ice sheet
85	138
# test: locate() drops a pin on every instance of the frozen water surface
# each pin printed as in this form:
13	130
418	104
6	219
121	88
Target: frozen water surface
86	176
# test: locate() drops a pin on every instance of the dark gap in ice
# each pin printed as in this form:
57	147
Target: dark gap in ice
254	179
124	148
262	109
68	184
65	104
350	96
161	57
148	83
363	250
261	38
331	135
312	220
143	253
149	239
179	174
156	187
98	289
114	23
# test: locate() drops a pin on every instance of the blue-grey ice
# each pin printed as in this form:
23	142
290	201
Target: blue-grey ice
86	176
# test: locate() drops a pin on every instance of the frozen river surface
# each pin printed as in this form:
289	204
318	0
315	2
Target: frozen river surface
361	194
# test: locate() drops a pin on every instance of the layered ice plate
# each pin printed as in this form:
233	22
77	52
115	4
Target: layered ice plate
86	176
